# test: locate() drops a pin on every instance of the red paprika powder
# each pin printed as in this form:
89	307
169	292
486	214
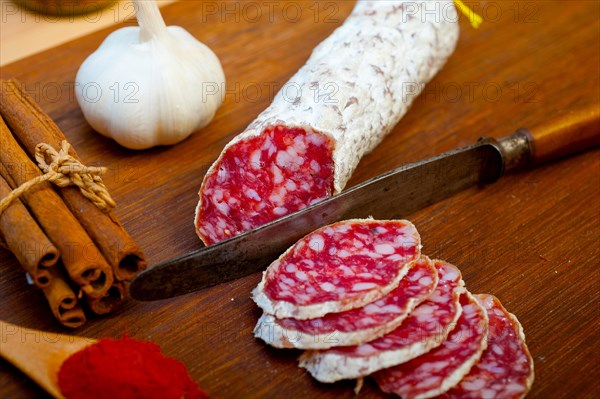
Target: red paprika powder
125	369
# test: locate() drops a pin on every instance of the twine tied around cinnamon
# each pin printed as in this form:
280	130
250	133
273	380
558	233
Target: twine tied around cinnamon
64	170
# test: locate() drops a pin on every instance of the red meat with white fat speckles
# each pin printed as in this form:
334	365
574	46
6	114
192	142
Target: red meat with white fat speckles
443	367
263	178
505	369
353	90
338	267
354	326
426	328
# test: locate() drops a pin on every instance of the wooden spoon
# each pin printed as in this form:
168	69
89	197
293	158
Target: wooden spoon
39	354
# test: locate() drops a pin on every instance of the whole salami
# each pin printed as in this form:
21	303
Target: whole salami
505	369
354	88
354	326
339	267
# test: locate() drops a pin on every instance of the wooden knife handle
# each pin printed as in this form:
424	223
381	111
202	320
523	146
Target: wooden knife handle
565	135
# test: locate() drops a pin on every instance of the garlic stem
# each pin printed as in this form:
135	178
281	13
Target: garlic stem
149	19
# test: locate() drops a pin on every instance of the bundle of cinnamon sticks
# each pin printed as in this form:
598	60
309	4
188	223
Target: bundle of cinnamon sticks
79	255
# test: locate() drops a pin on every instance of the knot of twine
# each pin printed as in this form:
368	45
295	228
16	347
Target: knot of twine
64	170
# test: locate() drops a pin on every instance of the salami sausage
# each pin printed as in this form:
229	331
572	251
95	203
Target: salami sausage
338	267
425	328
443	367
355	326
505	369
354	88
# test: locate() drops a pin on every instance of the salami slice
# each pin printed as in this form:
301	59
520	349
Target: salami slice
354	88
355	326
443	367
505	369
339	267
425	328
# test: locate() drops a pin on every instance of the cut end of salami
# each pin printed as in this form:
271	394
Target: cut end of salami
339	267
263	178
354	326
505	369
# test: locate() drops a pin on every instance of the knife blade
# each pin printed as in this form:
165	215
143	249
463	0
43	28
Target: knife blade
395	194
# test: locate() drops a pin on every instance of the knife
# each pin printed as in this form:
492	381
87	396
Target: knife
395	194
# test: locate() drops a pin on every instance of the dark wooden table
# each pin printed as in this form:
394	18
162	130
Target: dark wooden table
532	239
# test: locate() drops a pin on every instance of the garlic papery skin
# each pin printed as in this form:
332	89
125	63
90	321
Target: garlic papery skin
150	85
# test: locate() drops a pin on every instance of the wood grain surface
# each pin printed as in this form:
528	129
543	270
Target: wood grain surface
531	239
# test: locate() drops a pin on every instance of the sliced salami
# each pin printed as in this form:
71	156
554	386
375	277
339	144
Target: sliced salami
339	267
443	367
354	88
355	326
425	328
505	369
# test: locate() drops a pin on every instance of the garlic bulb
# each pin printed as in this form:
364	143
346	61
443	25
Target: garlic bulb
150	85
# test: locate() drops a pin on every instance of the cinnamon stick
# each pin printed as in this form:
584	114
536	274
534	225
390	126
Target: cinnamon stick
84	262
26	240
63	301
109	302
32	126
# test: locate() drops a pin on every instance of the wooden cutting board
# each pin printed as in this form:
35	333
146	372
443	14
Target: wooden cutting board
531	239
